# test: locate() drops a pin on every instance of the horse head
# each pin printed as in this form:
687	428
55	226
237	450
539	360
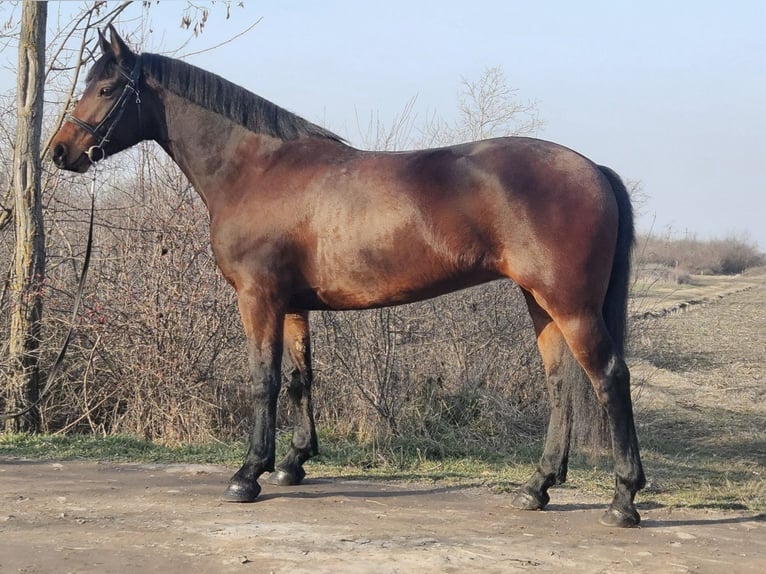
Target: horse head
108	116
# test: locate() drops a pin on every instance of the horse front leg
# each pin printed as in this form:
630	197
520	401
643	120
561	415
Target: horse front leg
263	323
304	442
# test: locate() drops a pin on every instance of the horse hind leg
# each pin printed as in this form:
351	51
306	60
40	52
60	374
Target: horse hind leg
591	344
304	442
559	365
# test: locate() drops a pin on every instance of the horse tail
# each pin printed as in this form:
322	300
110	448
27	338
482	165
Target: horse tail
590	427
615	309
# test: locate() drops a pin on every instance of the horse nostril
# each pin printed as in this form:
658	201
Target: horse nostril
59	153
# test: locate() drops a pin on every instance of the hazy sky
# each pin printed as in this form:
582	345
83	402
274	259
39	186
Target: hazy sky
669	93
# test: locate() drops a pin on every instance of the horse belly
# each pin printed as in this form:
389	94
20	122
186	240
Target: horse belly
400	272
357	295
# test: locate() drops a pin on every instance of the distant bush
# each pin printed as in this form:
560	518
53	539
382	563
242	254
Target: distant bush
688	254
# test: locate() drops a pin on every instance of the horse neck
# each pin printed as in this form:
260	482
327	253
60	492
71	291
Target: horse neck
212	151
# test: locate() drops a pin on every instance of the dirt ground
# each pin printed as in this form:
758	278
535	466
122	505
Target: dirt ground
85	517
99	518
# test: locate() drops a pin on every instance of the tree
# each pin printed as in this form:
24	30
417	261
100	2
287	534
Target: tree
29	256
31	269
487	107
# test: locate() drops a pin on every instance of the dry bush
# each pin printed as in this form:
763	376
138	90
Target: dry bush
463	366
728	256
159	345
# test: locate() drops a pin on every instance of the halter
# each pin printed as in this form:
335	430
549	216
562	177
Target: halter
103	130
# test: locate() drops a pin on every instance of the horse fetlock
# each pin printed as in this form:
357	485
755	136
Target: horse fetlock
622	512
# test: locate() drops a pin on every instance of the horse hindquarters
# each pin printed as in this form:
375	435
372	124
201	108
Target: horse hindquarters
597	341
594	331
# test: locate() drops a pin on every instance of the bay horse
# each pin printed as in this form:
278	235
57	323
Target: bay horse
301	221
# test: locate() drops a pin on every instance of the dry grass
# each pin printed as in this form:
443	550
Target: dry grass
700	405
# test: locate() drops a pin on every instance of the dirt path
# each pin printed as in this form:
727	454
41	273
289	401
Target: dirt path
84	517
100	518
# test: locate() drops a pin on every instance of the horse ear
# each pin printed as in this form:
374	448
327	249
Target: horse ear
103	43
118	46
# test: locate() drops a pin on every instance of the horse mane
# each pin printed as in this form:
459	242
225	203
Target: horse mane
230	100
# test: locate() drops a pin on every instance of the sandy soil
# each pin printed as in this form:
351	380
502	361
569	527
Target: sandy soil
101	518
85	517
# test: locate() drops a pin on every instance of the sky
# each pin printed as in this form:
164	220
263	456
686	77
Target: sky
671	94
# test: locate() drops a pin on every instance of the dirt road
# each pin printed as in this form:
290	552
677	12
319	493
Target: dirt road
102	518
84	517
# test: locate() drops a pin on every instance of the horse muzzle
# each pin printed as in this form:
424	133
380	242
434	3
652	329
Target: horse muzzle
61	157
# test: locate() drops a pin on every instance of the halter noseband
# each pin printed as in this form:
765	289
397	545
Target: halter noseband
105	127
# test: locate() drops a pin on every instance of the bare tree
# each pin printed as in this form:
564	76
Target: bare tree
29	257
30	272
488	107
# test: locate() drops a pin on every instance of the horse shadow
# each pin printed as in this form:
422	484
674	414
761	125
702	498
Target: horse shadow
357	490
329	488
670	522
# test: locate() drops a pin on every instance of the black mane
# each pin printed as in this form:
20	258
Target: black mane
230	100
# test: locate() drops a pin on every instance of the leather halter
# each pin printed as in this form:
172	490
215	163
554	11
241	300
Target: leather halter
103	130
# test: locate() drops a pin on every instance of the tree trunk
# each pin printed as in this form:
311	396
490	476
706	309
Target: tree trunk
29	255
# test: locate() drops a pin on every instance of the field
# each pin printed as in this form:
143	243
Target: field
699	375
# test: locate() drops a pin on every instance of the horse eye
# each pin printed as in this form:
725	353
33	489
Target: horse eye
105	91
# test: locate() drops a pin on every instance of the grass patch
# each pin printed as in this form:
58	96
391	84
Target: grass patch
698	478
340	456
412	460
117	448
690	481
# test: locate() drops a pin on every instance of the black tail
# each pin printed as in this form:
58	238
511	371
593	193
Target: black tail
616	302
590	425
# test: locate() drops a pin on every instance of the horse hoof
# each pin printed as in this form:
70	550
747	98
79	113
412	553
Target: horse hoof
614	517
237	492
283	477
528	500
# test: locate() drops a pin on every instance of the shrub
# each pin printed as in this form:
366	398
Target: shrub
728	256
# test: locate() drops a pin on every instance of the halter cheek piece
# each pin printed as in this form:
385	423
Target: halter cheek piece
103	131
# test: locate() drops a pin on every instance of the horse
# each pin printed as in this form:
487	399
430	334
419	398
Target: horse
302	221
